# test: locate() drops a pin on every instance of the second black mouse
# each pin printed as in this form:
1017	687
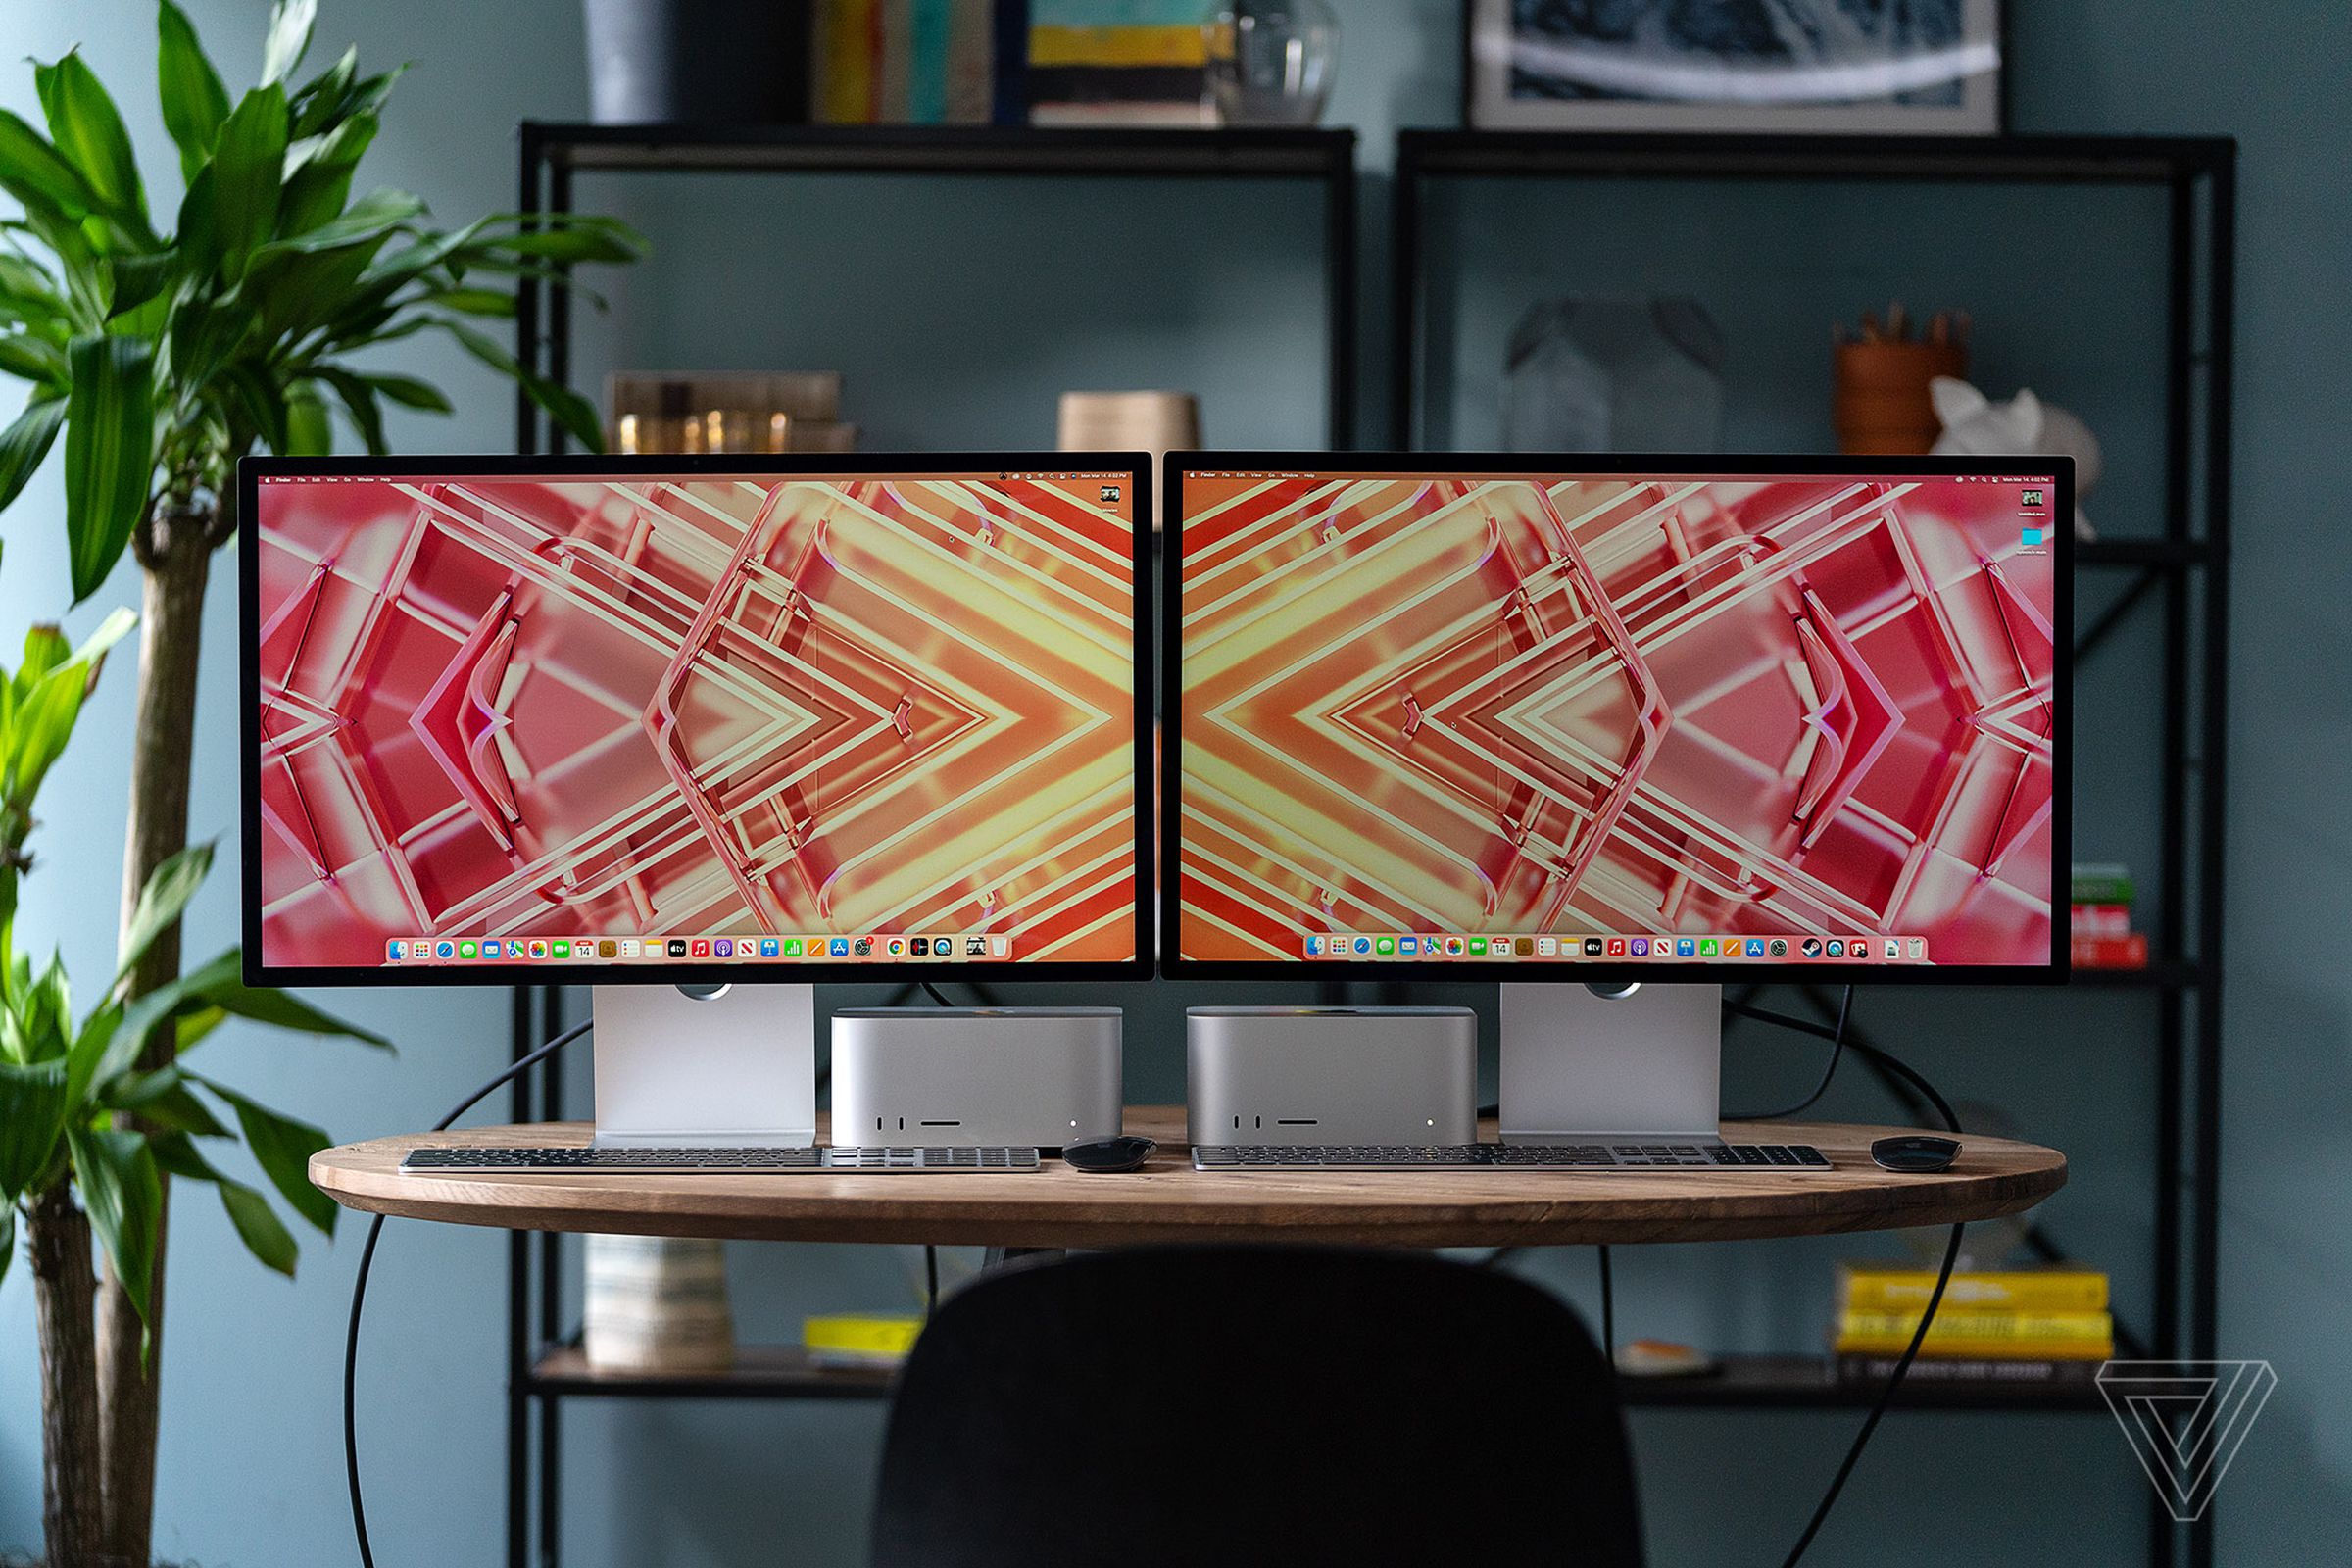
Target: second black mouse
1915	1154
1107	1156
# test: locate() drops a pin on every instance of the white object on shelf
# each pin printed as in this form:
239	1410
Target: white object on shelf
1976	425
657	1304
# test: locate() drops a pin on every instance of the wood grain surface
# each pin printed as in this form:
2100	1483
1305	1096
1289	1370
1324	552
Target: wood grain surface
1167	1200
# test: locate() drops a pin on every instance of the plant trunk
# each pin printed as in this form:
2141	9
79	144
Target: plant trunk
129	1350
58	1236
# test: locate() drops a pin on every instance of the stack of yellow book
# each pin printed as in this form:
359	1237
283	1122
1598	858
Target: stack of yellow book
2028	1325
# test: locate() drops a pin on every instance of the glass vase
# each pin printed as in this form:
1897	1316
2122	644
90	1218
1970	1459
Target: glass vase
1271	62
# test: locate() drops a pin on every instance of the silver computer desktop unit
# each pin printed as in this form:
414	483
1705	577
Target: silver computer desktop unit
1615	732
698	732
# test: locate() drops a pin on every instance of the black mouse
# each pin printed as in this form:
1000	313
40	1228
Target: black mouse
1915	1154
1107	1156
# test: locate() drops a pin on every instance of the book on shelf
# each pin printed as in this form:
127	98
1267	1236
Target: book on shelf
908	62
2102	882
2050	1288
2129	950
1995	1370
854	1340
1980	1334
1117	62
2099	920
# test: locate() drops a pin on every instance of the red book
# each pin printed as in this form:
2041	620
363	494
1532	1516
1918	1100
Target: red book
2102	919
2127	952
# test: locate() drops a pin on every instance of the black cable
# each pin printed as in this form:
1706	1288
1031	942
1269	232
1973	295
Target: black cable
1884	1058
1845	1005
1608	1313
1870	1424
1944	1275
935	994
930	1280
358	1291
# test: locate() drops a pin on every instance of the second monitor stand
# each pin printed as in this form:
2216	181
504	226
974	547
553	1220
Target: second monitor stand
1605	1063
719	1066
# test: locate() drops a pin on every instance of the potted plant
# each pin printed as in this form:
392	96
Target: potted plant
93	1118
160	359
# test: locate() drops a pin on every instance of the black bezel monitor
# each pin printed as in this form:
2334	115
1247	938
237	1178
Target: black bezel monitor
1181	469
1131	470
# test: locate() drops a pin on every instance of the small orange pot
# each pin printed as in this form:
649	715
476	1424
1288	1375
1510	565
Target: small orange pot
1882	405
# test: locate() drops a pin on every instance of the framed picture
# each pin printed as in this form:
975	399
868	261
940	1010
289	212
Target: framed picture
1823	66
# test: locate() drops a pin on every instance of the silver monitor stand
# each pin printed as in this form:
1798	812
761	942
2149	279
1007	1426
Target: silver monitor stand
706	1067
1609	1063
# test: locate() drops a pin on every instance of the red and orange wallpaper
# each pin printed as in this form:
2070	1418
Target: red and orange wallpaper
1818	712
521	715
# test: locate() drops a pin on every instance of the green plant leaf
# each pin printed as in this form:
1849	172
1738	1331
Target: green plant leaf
473	301
258	397
410	393
320	183
87	132
574	241
221	984
367	96
139	279
39	174
8	1239
299	291
572	410
193	99
359	401
245	178
164	1098
169	888
29	295
282	1146
322	98
45	648
32	1117
374	216
288	38
263	1234
37	732
310	432
103	636
36	358
125	1196
110	452
26	442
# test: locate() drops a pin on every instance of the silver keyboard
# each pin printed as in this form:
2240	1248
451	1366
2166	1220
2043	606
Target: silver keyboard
1788	1158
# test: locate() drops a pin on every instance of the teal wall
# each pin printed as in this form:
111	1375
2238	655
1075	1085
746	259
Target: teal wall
1218	293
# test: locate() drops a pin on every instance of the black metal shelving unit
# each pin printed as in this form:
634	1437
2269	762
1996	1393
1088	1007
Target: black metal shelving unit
2182	573
1322	160
544	1365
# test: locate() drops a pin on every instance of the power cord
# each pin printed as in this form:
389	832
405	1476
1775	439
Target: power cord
1890	1062
359	1290
1608	1313
1845	1005
1887	1061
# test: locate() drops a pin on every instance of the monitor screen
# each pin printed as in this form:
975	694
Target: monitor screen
692	712
1435	710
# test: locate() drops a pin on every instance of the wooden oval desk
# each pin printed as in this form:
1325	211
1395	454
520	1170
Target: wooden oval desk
1167	1200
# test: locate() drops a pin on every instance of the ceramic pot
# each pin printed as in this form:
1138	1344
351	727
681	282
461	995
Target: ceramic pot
1882	406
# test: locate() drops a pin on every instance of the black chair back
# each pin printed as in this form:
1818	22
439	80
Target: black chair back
1248	1405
